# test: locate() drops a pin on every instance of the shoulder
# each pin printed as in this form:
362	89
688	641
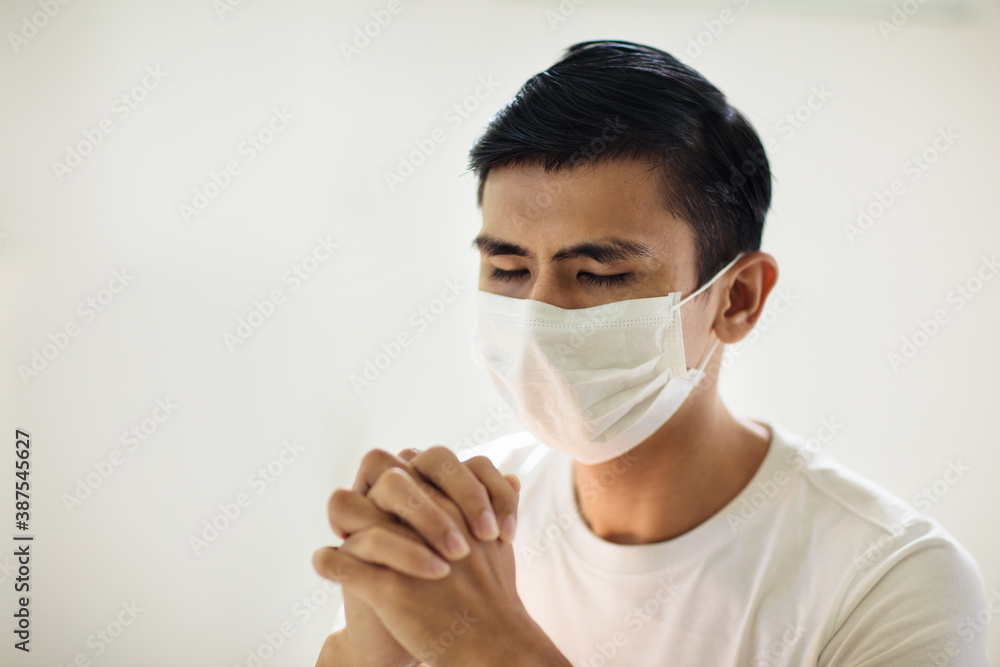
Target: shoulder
832	491
877	526
904	586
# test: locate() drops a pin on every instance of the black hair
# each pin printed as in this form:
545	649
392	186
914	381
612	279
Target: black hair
714	173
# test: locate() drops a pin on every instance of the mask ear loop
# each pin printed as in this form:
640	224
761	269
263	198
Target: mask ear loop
711	351
701	369
709	283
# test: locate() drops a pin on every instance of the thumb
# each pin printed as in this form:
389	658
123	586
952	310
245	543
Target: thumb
513	481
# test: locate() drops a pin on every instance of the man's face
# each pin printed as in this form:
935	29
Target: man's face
561	234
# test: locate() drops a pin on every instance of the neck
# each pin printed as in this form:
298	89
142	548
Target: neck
688	470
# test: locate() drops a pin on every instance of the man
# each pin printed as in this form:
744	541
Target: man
623	203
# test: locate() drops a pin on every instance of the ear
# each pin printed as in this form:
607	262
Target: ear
749	283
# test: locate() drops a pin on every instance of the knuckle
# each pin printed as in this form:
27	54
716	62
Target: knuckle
391	478
440	451
479	461
340	501
367	541
374	456
477	496
380	538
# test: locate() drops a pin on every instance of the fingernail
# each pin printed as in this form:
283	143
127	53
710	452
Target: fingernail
509	526
436	567
487	525
455	544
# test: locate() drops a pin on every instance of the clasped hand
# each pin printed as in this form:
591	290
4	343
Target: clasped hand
427	565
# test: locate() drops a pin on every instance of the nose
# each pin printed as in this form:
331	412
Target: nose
550	287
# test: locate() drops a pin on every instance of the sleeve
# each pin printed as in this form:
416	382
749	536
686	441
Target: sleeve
928	607
341	621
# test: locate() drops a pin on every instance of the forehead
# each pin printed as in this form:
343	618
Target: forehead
619	198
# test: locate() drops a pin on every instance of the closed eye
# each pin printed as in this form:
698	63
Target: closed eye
614	280
500	274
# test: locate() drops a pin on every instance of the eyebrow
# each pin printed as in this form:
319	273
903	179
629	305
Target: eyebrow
606	250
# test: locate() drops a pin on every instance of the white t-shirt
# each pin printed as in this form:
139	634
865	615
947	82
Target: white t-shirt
810	564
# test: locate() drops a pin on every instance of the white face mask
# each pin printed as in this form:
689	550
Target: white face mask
590	382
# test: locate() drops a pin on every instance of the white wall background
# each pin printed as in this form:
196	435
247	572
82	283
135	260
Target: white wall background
162	336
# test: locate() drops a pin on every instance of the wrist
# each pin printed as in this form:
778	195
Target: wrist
524	644
339	651
533	649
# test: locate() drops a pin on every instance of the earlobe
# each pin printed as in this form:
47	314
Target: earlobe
756	275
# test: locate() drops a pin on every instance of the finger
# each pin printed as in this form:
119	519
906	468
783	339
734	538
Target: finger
409	453
419	504
472	494
373	464
369	582
380	546
349	511
331	564
503	496
514	481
